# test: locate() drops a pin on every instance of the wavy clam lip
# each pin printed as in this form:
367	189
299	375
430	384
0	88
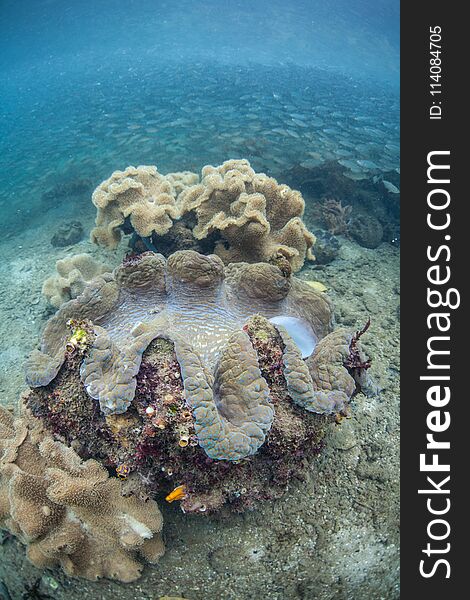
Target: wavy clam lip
201	306
300	331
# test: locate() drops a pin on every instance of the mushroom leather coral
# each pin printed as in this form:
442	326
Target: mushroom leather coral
144	196
73	273
251	216
69	512
257	218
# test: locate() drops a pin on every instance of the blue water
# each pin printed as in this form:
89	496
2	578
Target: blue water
87	88
356	37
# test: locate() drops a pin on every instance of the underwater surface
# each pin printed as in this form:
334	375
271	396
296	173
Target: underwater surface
307	92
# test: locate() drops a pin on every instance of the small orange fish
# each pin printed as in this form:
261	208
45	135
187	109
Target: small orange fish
177	494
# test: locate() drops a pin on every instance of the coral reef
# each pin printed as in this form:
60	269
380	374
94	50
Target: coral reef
335	215
68	234
240	215
73	274
154	443
69	512
207	378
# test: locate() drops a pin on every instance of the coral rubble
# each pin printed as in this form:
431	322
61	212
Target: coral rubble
69	512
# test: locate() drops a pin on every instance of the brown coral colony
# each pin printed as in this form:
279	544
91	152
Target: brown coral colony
69	512
240	215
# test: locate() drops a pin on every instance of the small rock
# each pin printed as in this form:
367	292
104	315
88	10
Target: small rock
326	248
68	234
317	286
366	230
343	436
370	302
350	252
51	582
374	471
345	315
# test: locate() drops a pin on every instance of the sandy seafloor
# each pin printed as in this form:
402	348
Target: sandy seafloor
333	536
